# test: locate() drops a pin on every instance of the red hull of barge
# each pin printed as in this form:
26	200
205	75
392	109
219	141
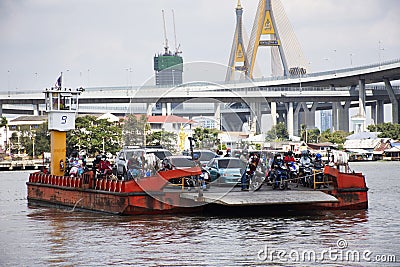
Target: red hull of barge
349	188
117	197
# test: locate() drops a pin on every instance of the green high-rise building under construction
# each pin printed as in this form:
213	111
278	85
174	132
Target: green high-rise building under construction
168	68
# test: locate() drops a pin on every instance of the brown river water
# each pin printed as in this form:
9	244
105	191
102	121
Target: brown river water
38	236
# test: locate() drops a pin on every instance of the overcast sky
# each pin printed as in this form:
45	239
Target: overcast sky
112	43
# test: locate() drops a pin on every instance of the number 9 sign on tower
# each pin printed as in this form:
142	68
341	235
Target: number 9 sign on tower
61	121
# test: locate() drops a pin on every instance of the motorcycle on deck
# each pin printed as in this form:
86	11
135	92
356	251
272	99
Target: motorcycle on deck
293	172
280	177
257	179
306	175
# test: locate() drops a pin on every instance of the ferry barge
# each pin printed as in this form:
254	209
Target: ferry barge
155	194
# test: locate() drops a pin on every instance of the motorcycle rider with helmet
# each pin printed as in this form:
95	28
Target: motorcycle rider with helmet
290	164
278	168
305	162
252	164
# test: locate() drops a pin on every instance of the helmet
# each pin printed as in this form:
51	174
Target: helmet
304	153
290	153
318	156
195	156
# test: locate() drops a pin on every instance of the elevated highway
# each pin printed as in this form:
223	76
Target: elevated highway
286	96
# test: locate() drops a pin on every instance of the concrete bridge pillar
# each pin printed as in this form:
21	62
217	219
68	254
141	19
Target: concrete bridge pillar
217	116
169	109
311	115
361	98
335	116
394	100
166	109
296	118
36	111
373	112
335	126
380	113
343	116
306	117
163	109
273	113
149	109
290	119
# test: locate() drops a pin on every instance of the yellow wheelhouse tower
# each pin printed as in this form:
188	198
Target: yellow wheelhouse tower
61	107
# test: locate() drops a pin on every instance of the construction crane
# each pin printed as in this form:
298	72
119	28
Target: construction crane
176	47
165	33
168	66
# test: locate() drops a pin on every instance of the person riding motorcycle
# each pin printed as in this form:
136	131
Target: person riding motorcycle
318	160
290	163
289	157
96	166
305	162
250	170
105	167
276	163
279	173
305	159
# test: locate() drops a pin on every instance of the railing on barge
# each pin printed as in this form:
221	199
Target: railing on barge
86	181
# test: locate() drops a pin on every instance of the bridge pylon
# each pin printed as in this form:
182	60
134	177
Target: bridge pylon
272	29
238	59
